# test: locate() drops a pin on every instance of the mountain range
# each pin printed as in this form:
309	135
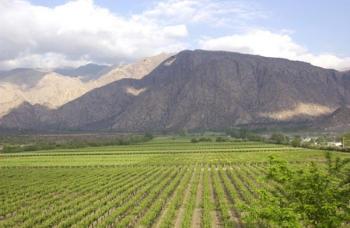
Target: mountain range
192	90
57	87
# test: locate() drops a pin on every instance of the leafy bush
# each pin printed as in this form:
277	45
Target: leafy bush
312	197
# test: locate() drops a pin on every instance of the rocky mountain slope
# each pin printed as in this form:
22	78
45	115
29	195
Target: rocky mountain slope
339	120
200	90
136	70
52	90
22	77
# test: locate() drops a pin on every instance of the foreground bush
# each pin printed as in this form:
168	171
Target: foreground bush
311	197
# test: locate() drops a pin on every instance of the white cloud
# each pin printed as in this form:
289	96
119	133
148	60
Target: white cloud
226	13
267	43
176	31
44	60
78	32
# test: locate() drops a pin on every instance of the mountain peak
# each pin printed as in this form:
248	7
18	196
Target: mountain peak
53	90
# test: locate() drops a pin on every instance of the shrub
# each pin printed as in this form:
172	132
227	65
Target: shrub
221	139
204	139
194	140
312	196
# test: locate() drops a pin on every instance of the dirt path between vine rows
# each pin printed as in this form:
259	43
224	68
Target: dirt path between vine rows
197	214
181	211
214	213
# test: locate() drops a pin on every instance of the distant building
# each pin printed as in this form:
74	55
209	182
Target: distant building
307	139
1	147
335	144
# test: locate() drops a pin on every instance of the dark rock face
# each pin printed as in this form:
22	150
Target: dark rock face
206	90
26	116
339	120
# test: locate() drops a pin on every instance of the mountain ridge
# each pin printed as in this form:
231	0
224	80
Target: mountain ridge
53	90
339	120
205	90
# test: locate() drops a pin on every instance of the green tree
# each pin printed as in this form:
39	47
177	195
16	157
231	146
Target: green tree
279	138
243	133
310	197
183	132
221	139
322	141
194	140
296	142
148	136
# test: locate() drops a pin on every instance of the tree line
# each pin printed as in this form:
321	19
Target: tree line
23	144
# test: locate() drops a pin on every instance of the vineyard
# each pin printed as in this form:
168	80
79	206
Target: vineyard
166	182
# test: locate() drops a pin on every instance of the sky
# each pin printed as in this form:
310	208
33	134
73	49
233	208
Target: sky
59	33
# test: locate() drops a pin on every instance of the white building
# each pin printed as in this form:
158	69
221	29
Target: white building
335	144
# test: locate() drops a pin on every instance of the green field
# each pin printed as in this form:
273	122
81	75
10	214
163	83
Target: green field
166	182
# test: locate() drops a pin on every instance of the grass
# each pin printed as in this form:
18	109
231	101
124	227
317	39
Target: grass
137	185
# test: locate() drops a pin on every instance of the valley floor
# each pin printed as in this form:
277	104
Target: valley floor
167	182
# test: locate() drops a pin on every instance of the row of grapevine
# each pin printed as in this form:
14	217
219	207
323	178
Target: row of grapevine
48	205
175	203
159	184
144	196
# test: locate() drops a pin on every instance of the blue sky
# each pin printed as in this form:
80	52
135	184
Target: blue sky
117	6
321	25
315	31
